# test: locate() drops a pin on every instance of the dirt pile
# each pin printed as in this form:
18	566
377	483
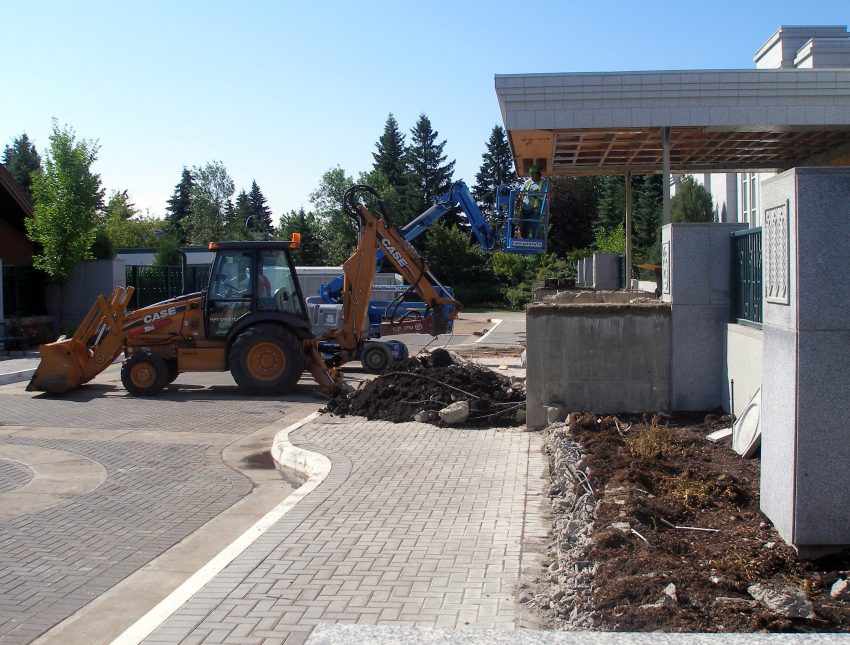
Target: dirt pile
422	387
678	542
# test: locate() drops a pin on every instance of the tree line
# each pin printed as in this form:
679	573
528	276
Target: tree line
73	220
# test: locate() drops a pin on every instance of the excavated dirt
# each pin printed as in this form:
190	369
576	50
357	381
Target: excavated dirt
430	384
677	541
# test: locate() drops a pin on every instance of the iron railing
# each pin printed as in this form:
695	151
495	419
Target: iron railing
747	276
155	284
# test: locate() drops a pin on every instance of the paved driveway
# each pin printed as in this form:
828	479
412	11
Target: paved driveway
97	484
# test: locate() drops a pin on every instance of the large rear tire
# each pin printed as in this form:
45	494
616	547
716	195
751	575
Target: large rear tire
144	374
266	359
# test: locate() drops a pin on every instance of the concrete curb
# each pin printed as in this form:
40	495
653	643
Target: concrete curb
16	377
305	464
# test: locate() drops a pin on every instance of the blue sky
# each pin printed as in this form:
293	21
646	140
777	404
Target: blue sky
280	92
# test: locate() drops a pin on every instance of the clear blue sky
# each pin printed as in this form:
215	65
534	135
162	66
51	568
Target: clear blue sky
281	91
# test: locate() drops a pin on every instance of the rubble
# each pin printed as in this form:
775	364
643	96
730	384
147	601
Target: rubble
441	389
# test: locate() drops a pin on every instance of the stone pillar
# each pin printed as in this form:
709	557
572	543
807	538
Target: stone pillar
805	479
696	261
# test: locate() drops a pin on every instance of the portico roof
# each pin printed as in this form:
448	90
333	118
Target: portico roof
719	120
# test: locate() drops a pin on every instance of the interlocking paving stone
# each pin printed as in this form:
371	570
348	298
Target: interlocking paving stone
158	489
415	525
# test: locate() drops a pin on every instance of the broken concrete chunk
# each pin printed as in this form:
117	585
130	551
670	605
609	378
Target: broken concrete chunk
523	360
625	527
455	413
519	417
788	601
555	413
840	589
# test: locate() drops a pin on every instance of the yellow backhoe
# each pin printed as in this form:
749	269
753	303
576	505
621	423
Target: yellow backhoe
251	320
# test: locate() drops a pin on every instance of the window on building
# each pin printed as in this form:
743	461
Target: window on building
750	198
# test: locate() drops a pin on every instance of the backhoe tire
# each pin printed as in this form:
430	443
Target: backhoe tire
144	374
266	359
376	357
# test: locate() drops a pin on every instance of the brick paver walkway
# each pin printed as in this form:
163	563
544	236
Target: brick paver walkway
415	526
165	478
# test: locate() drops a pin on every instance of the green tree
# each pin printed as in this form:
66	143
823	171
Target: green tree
646	227
390	157
180	207
168	253
430	175
125	226
611	203
497	168
261	222
692	202
67	195
22	160
572	211
209	202
459	263
340	230
313	248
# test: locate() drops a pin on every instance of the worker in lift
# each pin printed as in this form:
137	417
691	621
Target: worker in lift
532	200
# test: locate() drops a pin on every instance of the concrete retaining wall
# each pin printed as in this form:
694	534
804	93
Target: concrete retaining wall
602	357
742	370
88	281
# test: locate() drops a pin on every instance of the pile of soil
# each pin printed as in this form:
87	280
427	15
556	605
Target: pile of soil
431	383
678	541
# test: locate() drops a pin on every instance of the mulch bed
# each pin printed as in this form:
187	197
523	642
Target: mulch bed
656	474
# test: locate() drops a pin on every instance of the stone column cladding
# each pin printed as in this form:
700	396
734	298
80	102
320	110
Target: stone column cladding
805	479
696	278
608	358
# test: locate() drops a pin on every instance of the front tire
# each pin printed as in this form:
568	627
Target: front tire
266	359
144	374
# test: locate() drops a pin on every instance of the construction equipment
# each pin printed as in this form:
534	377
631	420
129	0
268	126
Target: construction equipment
503	235
251	320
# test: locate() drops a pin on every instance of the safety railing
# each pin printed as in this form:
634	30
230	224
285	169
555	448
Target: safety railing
747	276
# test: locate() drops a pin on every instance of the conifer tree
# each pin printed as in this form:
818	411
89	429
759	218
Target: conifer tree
179	208
22	160
430	175
258	209
390	157
497	168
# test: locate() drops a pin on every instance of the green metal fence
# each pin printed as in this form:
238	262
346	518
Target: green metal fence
155	284
747	276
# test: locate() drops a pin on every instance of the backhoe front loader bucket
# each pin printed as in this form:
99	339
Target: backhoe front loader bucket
69	362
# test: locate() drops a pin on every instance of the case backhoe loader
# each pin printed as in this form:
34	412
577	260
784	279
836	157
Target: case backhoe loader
251	320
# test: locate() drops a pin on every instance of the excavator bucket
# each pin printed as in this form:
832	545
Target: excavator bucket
69	362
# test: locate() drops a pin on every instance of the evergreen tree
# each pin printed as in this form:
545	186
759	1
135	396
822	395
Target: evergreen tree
390	157
430	175
180	207
692	202
22	160
611	204
497	168
261	224
646	225
241	211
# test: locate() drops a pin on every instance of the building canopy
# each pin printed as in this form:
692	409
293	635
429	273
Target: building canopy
718	120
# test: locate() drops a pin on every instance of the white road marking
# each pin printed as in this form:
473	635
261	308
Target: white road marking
497	321
143	627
